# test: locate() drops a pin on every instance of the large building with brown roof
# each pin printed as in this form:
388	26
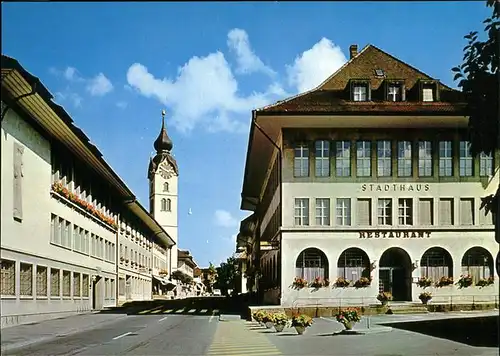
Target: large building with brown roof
367	181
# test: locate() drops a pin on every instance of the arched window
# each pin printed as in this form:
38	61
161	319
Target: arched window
169	205
436	263
311	263
165	187
163	204
353	264
478	263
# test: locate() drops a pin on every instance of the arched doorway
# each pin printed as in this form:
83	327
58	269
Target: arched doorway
395	273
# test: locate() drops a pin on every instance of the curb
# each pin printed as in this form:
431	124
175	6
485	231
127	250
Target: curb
19	345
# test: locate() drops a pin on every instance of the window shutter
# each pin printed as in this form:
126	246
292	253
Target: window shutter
436	91
368	92
403	92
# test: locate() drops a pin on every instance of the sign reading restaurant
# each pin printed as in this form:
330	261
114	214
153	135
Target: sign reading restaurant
399	234
394	187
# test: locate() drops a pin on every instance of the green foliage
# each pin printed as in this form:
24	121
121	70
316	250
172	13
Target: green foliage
478	78
226	274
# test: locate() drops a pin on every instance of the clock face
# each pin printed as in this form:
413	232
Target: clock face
166	170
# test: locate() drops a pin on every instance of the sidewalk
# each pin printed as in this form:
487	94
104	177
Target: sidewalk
23	335
239	337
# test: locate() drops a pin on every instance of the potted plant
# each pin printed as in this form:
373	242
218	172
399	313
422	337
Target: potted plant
362	282
483	282
301	322
384	297
348	317
444	281
425	297
464	281
424	282
267	319
280	321
341	282
319	283
299	283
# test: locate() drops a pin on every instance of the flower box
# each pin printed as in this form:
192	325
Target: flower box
424	282
465	281
299	283
484	282
363	282
444	281
342	282
319	283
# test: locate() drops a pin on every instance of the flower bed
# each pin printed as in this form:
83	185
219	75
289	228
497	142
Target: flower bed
60	189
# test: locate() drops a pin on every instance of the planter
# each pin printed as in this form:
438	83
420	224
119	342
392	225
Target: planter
300	329
279	327
385	302
269	324
425	301
349	325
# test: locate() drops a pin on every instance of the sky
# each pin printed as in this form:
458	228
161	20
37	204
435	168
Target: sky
115	66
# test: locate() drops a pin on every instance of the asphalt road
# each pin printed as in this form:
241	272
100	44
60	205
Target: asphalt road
134	335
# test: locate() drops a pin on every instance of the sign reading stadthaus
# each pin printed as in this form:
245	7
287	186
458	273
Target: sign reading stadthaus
394	234
395	187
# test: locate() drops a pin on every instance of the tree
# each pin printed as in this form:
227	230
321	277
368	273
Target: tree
478	78
226	275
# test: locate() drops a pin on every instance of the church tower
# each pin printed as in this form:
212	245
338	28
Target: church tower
163	175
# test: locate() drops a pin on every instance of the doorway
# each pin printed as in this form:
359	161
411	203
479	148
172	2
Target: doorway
97	297
395	274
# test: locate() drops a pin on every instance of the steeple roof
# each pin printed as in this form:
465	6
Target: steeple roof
163	143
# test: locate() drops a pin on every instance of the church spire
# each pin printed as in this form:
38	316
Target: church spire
163	143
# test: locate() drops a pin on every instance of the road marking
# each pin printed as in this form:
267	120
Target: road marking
122	335
162	318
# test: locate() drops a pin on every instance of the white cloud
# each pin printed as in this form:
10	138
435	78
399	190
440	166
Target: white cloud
99	85
74	98
247	61
122	104
225	219
315	65
206	93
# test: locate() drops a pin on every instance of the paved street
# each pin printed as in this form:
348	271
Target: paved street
161	331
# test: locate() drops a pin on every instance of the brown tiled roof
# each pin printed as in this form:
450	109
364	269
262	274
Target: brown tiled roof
332	95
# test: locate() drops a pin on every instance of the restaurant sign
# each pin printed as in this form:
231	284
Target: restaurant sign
398	234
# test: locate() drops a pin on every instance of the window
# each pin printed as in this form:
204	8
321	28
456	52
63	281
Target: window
425	158
76	238
66	284
404	159
343	211
485	164
8	280
445	159
446	211
169	205
405	211
322	158
465	163
353	264
67	234
94	248
394	92
55	283
85	285
436	263
364	212
343	158
478	263
360	92
165	187
76	285
385	212
25	279
41	281
323	211
467	211
163	204
427	93
379	73
301	161
302	211
384	158
426	211
311	263
363	155
53	228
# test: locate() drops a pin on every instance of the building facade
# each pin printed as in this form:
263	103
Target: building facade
368	182
74	238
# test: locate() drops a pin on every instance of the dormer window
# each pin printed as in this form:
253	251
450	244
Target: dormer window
360	90
429	90
394	90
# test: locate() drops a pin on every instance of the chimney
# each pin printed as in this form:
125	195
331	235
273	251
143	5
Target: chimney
353	51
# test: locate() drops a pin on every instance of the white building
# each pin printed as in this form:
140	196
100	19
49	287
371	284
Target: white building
64	214
368	175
